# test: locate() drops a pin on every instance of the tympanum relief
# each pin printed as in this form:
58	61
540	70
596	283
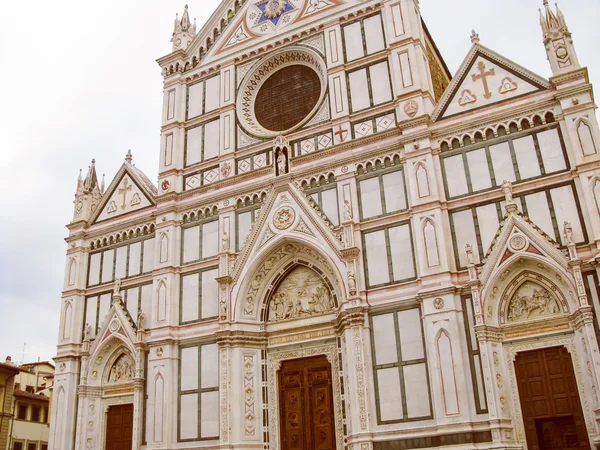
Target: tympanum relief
302	293
122	370
530	301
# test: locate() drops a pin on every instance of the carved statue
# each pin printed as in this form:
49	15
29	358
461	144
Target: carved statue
469	251
568	233
87	333
347	210
223	307
507	188
117	287
140	321
351	282
281	162
225	240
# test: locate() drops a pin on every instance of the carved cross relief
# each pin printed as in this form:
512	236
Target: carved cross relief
482	75
126	188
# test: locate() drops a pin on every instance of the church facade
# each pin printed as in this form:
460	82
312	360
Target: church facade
347	247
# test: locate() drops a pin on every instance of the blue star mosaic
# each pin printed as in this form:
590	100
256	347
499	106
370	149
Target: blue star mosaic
273	10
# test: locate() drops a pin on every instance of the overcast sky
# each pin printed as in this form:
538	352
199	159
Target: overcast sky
80	81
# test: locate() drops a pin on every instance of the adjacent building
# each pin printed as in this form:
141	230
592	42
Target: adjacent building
348	247
7	387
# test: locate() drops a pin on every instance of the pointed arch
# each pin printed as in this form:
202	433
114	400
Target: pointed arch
72	271
432	254
585	134
159	397
67	320
596	192
59	418
164	248
162	301
443	345
422	177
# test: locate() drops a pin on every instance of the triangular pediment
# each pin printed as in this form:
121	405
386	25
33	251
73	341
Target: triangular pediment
130	191
485	78
117	324
518	236
253	23
287	212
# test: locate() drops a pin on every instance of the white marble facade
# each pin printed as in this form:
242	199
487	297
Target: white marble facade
419	230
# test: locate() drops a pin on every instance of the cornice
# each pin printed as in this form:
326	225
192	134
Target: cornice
569	76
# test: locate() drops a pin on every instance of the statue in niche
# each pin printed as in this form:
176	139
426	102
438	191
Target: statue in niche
122	370
281	161
302	293
140	321
507	189
531	300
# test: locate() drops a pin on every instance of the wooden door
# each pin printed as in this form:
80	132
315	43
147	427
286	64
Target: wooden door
306	405
550	403
119	427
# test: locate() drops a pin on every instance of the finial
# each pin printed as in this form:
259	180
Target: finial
94	162
474	37
129	156
102	186
545	2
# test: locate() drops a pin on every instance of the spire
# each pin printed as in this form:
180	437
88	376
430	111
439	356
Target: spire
558	40
79	181
102	185
184	31
91	179
129	157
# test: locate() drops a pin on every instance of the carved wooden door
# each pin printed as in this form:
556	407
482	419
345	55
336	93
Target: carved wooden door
306	405
119	427
550	403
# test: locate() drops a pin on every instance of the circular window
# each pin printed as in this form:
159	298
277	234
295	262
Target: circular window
287	97
282	92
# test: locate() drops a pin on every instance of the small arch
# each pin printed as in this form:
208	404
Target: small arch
501	130
447	373
67	320
164	248
586	137
513	127
596	191
489	134
159	398
478	137
455	143
72	271
525	125
467	140
162	301
444	146
431	243
59	418
537	121
422	178
549	117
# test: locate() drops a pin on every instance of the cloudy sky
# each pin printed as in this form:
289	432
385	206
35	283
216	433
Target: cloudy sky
80	82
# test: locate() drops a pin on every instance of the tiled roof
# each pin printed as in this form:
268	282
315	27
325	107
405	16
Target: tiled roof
10	367
25	394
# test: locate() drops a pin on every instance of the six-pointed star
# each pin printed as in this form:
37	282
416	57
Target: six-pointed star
282	7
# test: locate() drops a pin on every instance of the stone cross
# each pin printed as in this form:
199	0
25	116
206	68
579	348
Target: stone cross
483	77
126	188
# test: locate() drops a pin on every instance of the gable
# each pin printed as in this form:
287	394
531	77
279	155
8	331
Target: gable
260	19
486	78
126	197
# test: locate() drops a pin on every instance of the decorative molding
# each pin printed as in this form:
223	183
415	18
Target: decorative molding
249	363
274	360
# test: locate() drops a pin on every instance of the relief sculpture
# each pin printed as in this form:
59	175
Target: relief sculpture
302	293
122	370
531	300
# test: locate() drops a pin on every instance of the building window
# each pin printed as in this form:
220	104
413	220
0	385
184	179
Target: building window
382	193
202	142
244	218
389	255
327	200
474	356
22	412
200	241
18	446
369	86
363	37
36	414
44	446
203	96
139	298
400	366
548	209
198	392
122	262
32	446
199	296
515	158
